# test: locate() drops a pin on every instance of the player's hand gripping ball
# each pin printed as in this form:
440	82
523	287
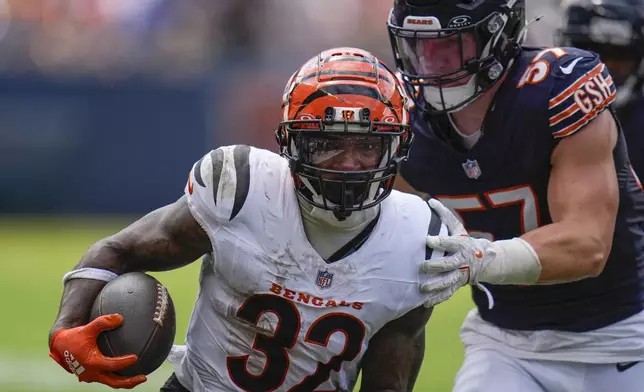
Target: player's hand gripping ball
131	333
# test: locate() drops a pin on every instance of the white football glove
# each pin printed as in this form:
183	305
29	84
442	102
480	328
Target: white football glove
441	286
444	282
479	260
468	254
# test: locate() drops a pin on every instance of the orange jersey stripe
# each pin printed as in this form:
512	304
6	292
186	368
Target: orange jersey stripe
572	109
573	87
569	130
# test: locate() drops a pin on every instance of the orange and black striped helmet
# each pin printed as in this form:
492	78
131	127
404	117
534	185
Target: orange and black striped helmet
344	104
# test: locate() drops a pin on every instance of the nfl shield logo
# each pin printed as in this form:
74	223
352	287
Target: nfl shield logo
324	279
472	169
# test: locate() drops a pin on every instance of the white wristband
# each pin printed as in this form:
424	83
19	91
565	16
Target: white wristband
514	262
89	273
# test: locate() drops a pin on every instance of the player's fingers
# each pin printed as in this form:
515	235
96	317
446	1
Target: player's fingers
444	243
112	364
59	360
441	296
445	295
441	282
441	264
121	382
453	224
103	323
437	299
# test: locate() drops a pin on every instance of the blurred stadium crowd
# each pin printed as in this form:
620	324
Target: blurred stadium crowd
105	103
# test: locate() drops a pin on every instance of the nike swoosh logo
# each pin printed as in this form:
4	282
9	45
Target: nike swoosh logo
622	367
568	69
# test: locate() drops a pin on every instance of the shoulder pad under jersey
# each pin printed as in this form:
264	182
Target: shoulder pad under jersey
579	85
218	184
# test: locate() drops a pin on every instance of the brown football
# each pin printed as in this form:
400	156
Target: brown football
149	322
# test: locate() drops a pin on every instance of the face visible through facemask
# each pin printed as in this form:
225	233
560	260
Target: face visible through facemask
345	153
441	61
345	161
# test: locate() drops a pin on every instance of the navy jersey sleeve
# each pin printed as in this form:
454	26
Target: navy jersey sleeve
581	89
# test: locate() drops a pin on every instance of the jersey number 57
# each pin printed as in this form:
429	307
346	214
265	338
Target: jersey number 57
522	195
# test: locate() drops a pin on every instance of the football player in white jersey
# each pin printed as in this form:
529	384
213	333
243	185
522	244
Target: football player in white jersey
312	261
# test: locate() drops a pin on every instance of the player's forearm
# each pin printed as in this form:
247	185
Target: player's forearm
417	360
387	370
397	373
569	251
130	251
395	354
374	387
117	256
164	239
79	294
76	304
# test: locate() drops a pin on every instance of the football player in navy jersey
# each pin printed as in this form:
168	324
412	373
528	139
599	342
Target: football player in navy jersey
614	29
522	147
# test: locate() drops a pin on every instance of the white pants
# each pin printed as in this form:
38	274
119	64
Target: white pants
500	360
488	370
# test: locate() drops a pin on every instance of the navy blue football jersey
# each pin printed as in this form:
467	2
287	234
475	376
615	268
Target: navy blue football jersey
631	117
499	187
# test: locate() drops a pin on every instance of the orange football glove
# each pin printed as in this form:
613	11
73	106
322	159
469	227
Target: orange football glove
76	350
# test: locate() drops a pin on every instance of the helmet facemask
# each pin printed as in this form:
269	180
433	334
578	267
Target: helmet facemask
452	66
344	166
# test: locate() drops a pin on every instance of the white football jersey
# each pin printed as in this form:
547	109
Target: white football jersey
271	314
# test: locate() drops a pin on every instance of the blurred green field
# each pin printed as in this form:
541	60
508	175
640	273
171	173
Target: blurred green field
34	255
